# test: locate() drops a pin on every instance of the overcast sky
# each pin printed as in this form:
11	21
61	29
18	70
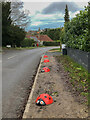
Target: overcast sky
50	13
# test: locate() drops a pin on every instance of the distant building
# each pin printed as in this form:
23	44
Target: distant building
40	38
32	32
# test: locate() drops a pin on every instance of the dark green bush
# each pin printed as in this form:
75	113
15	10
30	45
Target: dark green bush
51	43
53	33
11	34
27	42
76	32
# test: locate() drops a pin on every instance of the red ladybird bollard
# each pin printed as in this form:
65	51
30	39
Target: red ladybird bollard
46	69
37	45
44	99
46	60
45	56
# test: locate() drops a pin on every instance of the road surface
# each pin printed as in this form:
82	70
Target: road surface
18	69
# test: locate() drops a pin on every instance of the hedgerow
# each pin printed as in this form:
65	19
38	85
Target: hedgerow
76	33
27	42
54	43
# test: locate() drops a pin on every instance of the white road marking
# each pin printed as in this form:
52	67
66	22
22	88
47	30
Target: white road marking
11	57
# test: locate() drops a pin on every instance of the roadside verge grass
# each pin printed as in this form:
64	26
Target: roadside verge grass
55	50
79	76
17	48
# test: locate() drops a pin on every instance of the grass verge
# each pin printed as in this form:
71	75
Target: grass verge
55	50
18	48
79	76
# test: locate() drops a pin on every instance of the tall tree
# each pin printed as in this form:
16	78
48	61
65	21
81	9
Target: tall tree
16	35
11	34
19	16
89	17
54	34
39	29
66	17
0	24
6	22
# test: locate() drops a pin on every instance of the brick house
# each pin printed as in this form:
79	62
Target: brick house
40	38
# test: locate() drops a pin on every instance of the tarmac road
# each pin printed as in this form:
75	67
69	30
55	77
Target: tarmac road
18	69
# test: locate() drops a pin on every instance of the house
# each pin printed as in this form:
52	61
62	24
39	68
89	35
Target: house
40	38
32	33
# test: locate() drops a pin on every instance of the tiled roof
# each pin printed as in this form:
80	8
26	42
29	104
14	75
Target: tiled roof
41	37
44	38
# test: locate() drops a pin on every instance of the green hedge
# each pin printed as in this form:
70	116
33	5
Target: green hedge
51	43
76	32
27	43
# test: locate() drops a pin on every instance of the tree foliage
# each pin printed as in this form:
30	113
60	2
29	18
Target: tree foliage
54	43
19	16
6	21
27	42
54	34
62	34
76	32
11	34
16	35
66	17
0	25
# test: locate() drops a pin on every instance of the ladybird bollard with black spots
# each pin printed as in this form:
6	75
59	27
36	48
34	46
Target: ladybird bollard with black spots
44	99
45	56
45	69
46	60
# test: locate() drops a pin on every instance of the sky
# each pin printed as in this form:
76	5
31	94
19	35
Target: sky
50	13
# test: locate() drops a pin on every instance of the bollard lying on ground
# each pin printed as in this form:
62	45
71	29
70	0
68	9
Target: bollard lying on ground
46	60
45	69
44	99
45	56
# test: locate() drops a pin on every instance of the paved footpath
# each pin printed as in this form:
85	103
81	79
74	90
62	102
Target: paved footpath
64	105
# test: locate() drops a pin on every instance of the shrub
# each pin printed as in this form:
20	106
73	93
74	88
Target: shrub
27	42
51	43
76	32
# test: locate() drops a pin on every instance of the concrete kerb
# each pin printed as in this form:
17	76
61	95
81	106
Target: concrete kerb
31	93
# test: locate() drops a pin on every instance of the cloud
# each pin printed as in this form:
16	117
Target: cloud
51	15
58	7
46	19
36	23
43	26
72	15
35	7
53	1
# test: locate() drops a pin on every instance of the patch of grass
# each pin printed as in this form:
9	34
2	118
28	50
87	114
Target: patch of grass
22	48
18	48
0	49
79	75
89	89
55	50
